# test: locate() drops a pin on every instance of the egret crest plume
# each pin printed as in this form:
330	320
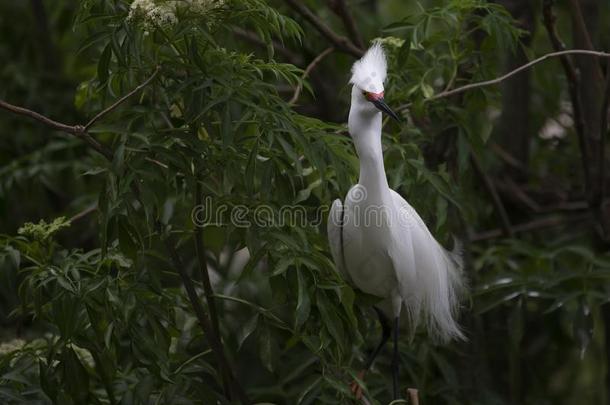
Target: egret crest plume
370	71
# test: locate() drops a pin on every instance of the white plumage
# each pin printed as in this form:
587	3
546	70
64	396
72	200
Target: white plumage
378	241
372	67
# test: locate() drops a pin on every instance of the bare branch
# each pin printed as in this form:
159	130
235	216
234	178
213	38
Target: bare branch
602	136
502	78
340	8
310	67
71	129
573	84
83	213
497	201
106	111
341	43
537	224
578	22
76	130
509	159
80	131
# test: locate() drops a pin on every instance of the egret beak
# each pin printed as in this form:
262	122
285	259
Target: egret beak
382	106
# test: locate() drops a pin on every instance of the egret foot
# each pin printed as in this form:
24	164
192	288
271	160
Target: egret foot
355	386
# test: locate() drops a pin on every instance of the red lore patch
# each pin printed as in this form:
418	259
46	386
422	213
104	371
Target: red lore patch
374	96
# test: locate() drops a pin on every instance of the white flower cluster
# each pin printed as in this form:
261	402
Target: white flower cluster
153	13
200	6
11	346
159	13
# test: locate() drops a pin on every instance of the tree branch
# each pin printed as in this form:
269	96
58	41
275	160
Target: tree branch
80	131
76	130
340	8
121	100
498	80
573	83
341	43
497	201
83	213
602	137
537	224
204	322
310	67
71	129
578	22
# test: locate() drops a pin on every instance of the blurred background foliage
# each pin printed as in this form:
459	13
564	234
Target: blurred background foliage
92	306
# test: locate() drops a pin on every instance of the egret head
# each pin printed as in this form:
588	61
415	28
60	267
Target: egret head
368	75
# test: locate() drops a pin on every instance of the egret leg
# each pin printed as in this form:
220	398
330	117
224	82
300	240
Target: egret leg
395	361
386	330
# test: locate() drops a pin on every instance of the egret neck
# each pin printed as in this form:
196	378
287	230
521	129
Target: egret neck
364	125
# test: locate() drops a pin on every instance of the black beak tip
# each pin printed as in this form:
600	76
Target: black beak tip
382	106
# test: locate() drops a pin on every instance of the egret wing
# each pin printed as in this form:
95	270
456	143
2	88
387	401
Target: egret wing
336	237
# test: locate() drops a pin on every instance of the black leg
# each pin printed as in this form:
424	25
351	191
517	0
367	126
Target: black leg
395	361
386	330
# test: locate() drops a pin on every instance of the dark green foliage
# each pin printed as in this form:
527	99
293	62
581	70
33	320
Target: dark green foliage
99	304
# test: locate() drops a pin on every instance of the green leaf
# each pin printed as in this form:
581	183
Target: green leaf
103	65
76	378
436	181
251	167
267	347
246	330
303	301
331	320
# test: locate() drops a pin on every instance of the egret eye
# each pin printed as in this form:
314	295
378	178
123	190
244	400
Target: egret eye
364	93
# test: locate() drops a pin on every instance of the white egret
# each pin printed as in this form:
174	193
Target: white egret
378	241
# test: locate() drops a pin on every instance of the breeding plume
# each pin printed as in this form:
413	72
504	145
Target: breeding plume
378	241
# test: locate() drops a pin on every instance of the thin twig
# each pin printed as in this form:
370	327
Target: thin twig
155	161
121	100
542	223
602	137
512	190
509	159
310	67
578	22
80	131
76	130
83	213
341	43
573	89
568	66
497	201
340	8
71	129
510	74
